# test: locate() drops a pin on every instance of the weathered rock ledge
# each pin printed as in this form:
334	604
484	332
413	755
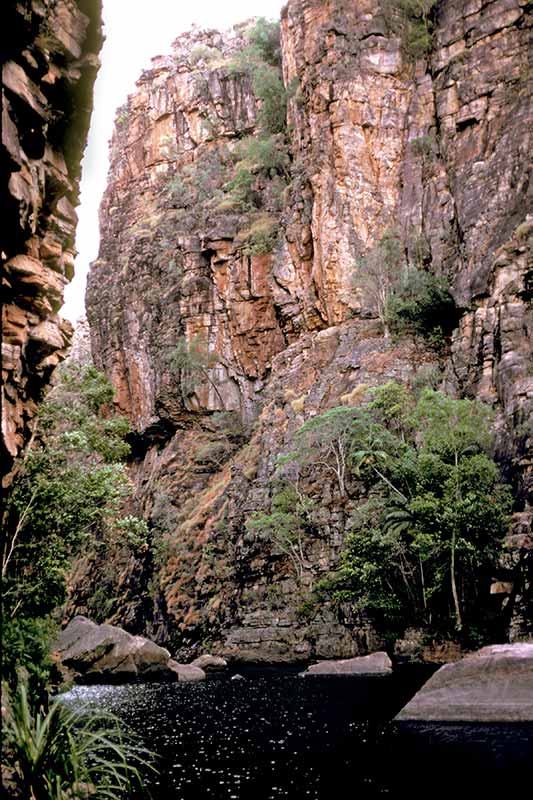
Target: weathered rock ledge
494	684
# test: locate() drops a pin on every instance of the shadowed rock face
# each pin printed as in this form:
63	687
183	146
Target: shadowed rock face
51	63
436	149
495	684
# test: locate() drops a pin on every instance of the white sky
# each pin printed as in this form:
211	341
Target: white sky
135	31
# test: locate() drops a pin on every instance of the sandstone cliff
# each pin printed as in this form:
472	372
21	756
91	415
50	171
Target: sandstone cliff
51	62
437	148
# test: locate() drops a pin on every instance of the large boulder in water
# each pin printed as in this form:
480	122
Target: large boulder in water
210	663
187	673
373	664
100	653
494	684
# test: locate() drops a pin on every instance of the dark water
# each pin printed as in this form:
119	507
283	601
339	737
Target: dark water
277	735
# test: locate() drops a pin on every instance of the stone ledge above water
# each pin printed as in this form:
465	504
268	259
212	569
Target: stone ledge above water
494	684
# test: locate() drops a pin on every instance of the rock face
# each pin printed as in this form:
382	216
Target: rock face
436	149
495	684
373	664
49	70
101	653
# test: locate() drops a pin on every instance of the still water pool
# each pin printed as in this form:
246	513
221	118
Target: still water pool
277	735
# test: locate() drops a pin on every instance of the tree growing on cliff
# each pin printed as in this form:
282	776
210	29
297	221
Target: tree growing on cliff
412	19
191	361
286	526
378	274
423	547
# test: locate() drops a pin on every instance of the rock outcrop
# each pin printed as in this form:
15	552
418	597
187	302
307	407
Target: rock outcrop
105	653
264	298
495	684
377	664
51	61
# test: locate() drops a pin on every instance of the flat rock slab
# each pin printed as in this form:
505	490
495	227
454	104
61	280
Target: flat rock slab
373	664
495	684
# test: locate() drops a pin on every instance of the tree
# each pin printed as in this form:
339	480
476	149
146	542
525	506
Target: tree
378	273
328	441
423	547
286	526
453	429
71	484
191	360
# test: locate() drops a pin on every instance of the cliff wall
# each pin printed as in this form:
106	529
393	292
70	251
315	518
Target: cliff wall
51	60
435	148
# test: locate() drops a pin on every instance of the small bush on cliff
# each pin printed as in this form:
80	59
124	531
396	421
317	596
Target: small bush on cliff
413	19
191	361
406	300
286	526
262	60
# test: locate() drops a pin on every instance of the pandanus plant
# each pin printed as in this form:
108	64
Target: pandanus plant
59	754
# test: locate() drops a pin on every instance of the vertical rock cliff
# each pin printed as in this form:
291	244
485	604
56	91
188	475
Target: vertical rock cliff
51	60
224	323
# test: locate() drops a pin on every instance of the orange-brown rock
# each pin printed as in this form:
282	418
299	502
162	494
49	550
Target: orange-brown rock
47	78
435	149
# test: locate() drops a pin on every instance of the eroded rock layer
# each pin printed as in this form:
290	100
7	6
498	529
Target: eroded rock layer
436	149
47	78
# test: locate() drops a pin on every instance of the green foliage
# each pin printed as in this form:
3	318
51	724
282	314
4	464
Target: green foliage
135	531
264	38
285	526
421	304
378	273
204	53
422	145
415	24
261	236
269	88
191	361
407	300
423	547
262	60
71	485
58	754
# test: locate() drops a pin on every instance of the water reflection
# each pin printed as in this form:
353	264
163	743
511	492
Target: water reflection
276	735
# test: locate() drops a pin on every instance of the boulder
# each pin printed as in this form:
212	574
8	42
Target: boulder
98	653
186	673
494	684
210	663
373	664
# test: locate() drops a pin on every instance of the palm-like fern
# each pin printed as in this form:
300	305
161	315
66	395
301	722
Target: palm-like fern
63	755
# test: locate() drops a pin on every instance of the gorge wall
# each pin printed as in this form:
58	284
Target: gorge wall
260	281
50	64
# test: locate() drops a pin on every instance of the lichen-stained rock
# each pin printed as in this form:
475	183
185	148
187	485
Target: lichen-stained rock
51	60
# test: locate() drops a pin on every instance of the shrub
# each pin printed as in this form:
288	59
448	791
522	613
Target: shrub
415	24
422	304
58	754
261	237
269	88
